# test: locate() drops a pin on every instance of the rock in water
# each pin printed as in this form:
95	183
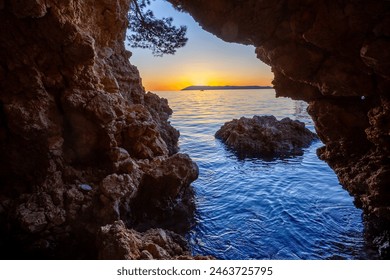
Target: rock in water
329	54
266	137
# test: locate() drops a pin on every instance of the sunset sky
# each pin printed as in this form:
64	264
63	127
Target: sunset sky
205	60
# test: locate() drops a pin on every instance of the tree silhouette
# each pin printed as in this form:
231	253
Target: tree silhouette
148	32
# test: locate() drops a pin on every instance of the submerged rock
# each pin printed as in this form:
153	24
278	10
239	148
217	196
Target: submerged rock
266	137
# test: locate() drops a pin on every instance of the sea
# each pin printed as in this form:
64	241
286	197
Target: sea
283	209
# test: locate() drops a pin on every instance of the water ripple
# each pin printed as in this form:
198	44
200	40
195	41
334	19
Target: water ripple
253	209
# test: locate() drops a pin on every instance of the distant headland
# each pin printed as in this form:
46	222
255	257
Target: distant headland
225	87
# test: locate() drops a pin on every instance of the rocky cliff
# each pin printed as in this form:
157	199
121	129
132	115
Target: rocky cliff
336	56
86	154
83	149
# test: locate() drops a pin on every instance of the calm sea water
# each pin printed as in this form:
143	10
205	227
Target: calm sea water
253	209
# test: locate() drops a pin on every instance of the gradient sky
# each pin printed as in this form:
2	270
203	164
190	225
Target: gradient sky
205	60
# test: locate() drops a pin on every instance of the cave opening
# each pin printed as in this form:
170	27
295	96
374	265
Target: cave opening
308	69
329	54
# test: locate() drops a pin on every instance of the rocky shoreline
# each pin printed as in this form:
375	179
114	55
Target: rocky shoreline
83	148
335	56
86	155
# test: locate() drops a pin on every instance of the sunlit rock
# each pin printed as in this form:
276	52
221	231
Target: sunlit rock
117	242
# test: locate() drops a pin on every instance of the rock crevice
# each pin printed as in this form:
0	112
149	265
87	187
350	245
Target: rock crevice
81	143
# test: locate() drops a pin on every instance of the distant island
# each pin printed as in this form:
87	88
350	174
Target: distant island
225	87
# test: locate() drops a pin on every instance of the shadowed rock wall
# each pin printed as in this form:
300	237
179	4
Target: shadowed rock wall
81	144
334	55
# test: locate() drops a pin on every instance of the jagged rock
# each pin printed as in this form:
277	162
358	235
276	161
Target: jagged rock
168	133
334	55
70	100
117	242
116	192
265	137
165	186
78	134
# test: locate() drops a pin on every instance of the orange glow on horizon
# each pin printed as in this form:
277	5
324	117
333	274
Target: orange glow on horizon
204	61
183	82
216	73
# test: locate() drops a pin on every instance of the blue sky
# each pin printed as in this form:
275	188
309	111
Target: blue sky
205	60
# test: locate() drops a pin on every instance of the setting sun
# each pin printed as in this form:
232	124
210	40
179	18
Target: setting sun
177	79
205	60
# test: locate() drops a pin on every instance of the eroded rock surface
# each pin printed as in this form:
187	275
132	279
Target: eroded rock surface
77	131
116	242
266	137
336	56
81	143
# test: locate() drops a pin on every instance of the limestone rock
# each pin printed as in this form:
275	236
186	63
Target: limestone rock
117	242
166	186
78	134
334	55
160	110
73	110
265	137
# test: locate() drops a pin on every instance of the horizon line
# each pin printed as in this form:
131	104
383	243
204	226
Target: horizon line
180	89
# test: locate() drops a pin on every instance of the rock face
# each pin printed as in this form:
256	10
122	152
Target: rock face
266	137
80	140
336	56
116	242
82	145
